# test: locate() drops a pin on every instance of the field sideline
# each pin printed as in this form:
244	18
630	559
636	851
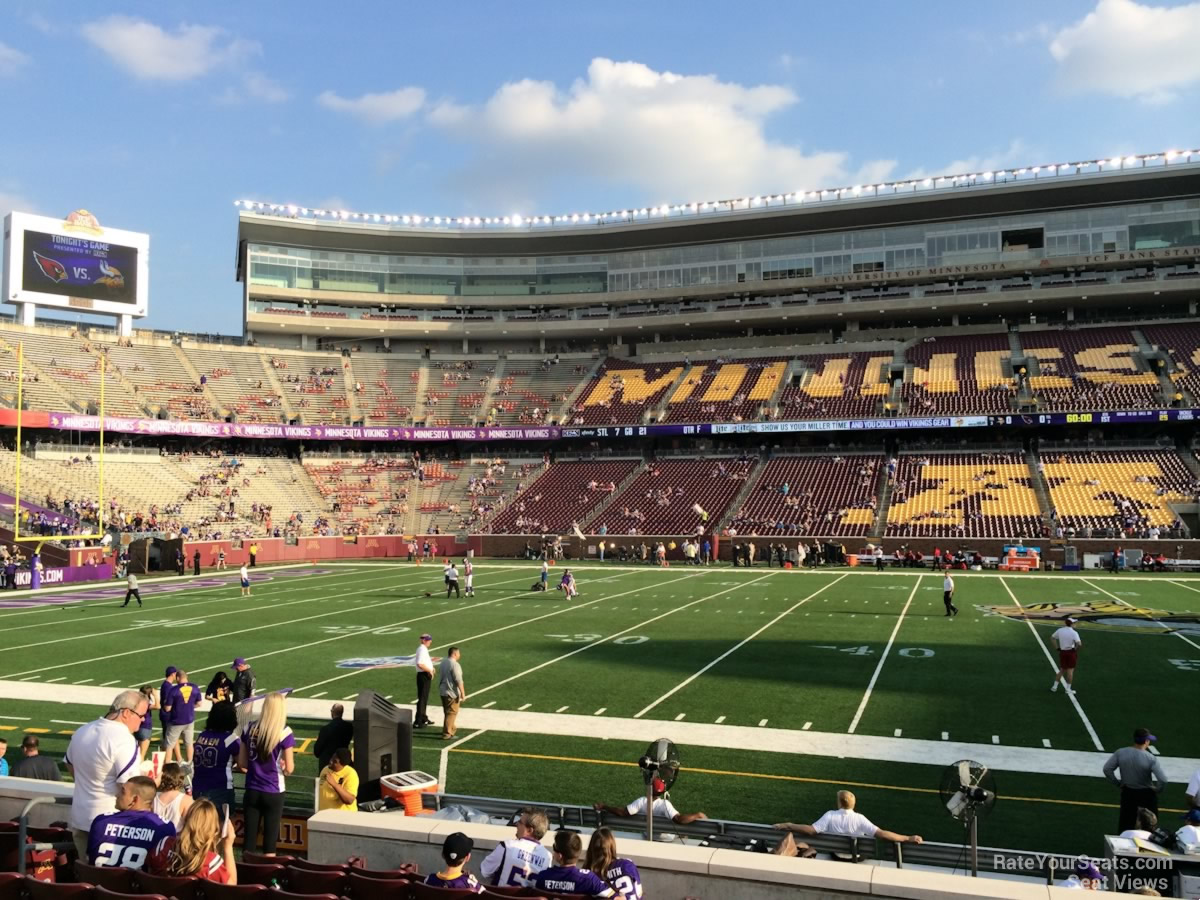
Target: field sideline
819	669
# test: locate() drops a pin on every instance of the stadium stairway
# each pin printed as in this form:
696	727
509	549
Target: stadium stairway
884	492
272	379
1041	490
351	397
562	414
599	510
194	374
418	409
739	499
45	393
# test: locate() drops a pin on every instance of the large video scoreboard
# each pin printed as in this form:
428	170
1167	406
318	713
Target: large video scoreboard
74	263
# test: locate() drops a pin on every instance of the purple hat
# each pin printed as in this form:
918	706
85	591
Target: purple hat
171	670
1192	816
1085	868
1142	735
427	637
238	662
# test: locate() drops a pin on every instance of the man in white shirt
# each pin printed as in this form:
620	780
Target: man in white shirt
878	554
131	590
845	821
1189	834
514	863
451	573
1068	642
102	755
662	807
469	575
948	595
424	665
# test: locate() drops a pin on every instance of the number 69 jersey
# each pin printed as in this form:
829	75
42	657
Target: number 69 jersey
127	839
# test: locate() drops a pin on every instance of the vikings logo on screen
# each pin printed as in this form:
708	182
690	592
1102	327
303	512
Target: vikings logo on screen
80	267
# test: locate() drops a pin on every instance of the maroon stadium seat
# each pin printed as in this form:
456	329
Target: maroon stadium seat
50	890
179	887
110	877
313	881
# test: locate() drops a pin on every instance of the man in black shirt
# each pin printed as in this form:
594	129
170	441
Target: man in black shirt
243	681
334	734
33	765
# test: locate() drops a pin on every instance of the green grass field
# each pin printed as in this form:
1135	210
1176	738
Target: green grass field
841	652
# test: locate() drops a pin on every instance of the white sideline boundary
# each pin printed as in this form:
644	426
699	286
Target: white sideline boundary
1071	696
834	745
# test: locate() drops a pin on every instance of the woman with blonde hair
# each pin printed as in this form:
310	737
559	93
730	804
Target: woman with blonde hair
200	849
620	874
172	802
267	755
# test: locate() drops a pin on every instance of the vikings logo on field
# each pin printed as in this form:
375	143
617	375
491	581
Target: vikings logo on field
51	268
1102	614
380	662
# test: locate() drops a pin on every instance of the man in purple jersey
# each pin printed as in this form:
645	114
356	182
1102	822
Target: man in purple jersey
216	749
164	691
456	851
565	877
180	707
126	838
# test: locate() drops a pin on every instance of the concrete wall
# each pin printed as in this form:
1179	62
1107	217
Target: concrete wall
669	871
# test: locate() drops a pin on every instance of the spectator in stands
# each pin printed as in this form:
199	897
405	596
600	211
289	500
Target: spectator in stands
516	862
1086	877
180	706
217	750
1189	834
267	755
846	821
338	782
620	874
565	877
662	807
127	837
203	848
219	687
335	733
172	801
1142	778
456	851
31	764
102	755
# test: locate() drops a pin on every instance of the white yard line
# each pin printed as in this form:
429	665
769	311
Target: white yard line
613	636
519	624
118	586
862	706
734	648
339	612
1087	724
444	762
1171	630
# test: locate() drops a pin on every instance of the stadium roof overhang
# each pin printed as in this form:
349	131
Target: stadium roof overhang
1022	197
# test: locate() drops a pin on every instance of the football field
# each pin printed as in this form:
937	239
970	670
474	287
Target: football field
841	674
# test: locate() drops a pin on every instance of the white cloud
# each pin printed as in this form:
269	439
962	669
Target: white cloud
11	59
255	86
377	109
1130	50
674	137
12	201
151	53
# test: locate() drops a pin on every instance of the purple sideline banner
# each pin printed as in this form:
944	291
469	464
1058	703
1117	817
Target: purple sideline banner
73	422
67	575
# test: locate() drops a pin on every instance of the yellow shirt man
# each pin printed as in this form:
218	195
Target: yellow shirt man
346	778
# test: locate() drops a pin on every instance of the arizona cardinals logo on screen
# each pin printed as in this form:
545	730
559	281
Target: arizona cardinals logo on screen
110	277
51	268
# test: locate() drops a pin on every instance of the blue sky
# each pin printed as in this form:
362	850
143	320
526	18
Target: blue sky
156	116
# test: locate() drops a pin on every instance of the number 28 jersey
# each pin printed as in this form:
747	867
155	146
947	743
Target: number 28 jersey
127	839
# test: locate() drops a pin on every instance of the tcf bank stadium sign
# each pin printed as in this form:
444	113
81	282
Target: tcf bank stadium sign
1169	254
